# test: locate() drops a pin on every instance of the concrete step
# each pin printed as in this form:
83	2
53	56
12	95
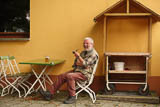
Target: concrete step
130	96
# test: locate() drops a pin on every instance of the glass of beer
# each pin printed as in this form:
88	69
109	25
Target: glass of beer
47	58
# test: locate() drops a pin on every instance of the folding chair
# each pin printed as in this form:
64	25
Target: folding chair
23	83
2	82
84	86
12	76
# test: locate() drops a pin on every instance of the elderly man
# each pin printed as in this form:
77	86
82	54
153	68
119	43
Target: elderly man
82	69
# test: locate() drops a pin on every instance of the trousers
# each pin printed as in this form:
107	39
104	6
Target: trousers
70	78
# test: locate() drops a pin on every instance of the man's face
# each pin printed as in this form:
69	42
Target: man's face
87	44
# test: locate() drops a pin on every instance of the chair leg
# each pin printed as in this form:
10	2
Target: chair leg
90	94
23	88
3	90
89	91
13	85
29	87
12	91
93	94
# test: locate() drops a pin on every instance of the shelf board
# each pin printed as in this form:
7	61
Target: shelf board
126	54
127	72
127	14
126	82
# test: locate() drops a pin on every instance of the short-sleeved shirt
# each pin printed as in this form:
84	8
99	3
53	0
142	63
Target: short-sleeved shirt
90	58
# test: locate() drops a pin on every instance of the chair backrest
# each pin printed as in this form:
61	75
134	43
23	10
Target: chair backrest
9	65
14	65
94	69
4	64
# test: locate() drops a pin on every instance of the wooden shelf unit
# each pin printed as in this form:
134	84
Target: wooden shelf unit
136	64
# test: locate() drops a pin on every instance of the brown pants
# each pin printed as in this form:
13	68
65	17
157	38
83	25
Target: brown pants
70	78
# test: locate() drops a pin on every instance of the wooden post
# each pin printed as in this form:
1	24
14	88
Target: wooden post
150	35
127	6
149	42
104	42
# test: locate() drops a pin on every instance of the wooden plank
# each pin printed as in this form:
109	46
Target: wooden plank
138	4
149	42
107	68
126	54
104	41
127	72
147	60
127	6
150	35
117	4
104	33
126	82
127	14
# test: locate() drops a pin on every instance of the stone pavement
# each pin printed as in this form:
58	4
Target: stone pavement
35	100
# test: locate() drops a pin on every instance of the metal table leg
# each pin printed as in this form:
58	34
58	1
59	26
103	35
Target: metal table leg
38	79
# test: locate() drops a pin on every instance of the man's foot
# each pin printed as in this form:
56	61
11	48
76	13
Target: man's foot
46	94
70	100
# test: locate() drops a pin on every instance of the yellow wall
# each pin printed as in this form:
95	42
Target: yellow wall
127	34
59	26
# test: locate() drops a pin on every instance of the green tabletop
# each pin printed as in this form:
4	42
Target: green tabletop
42	62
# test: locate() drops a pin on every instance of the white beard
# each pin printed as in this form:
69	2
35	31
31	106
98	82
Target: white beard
88	49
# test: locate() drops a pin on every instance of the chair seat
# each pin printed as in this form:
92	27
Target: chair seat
20	74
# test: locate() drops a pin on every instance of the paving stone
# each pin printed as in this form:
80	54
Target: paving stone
130	96
57	101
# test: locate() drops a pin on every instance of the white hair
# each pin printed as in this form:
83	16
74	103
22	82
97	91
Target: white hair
90	39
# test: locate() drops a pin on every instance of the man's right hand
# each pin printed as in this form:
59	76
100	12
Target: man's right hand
76	54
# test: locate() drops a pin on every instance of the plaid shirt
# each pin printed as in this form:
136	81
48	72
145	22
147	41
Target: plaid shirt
90	58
